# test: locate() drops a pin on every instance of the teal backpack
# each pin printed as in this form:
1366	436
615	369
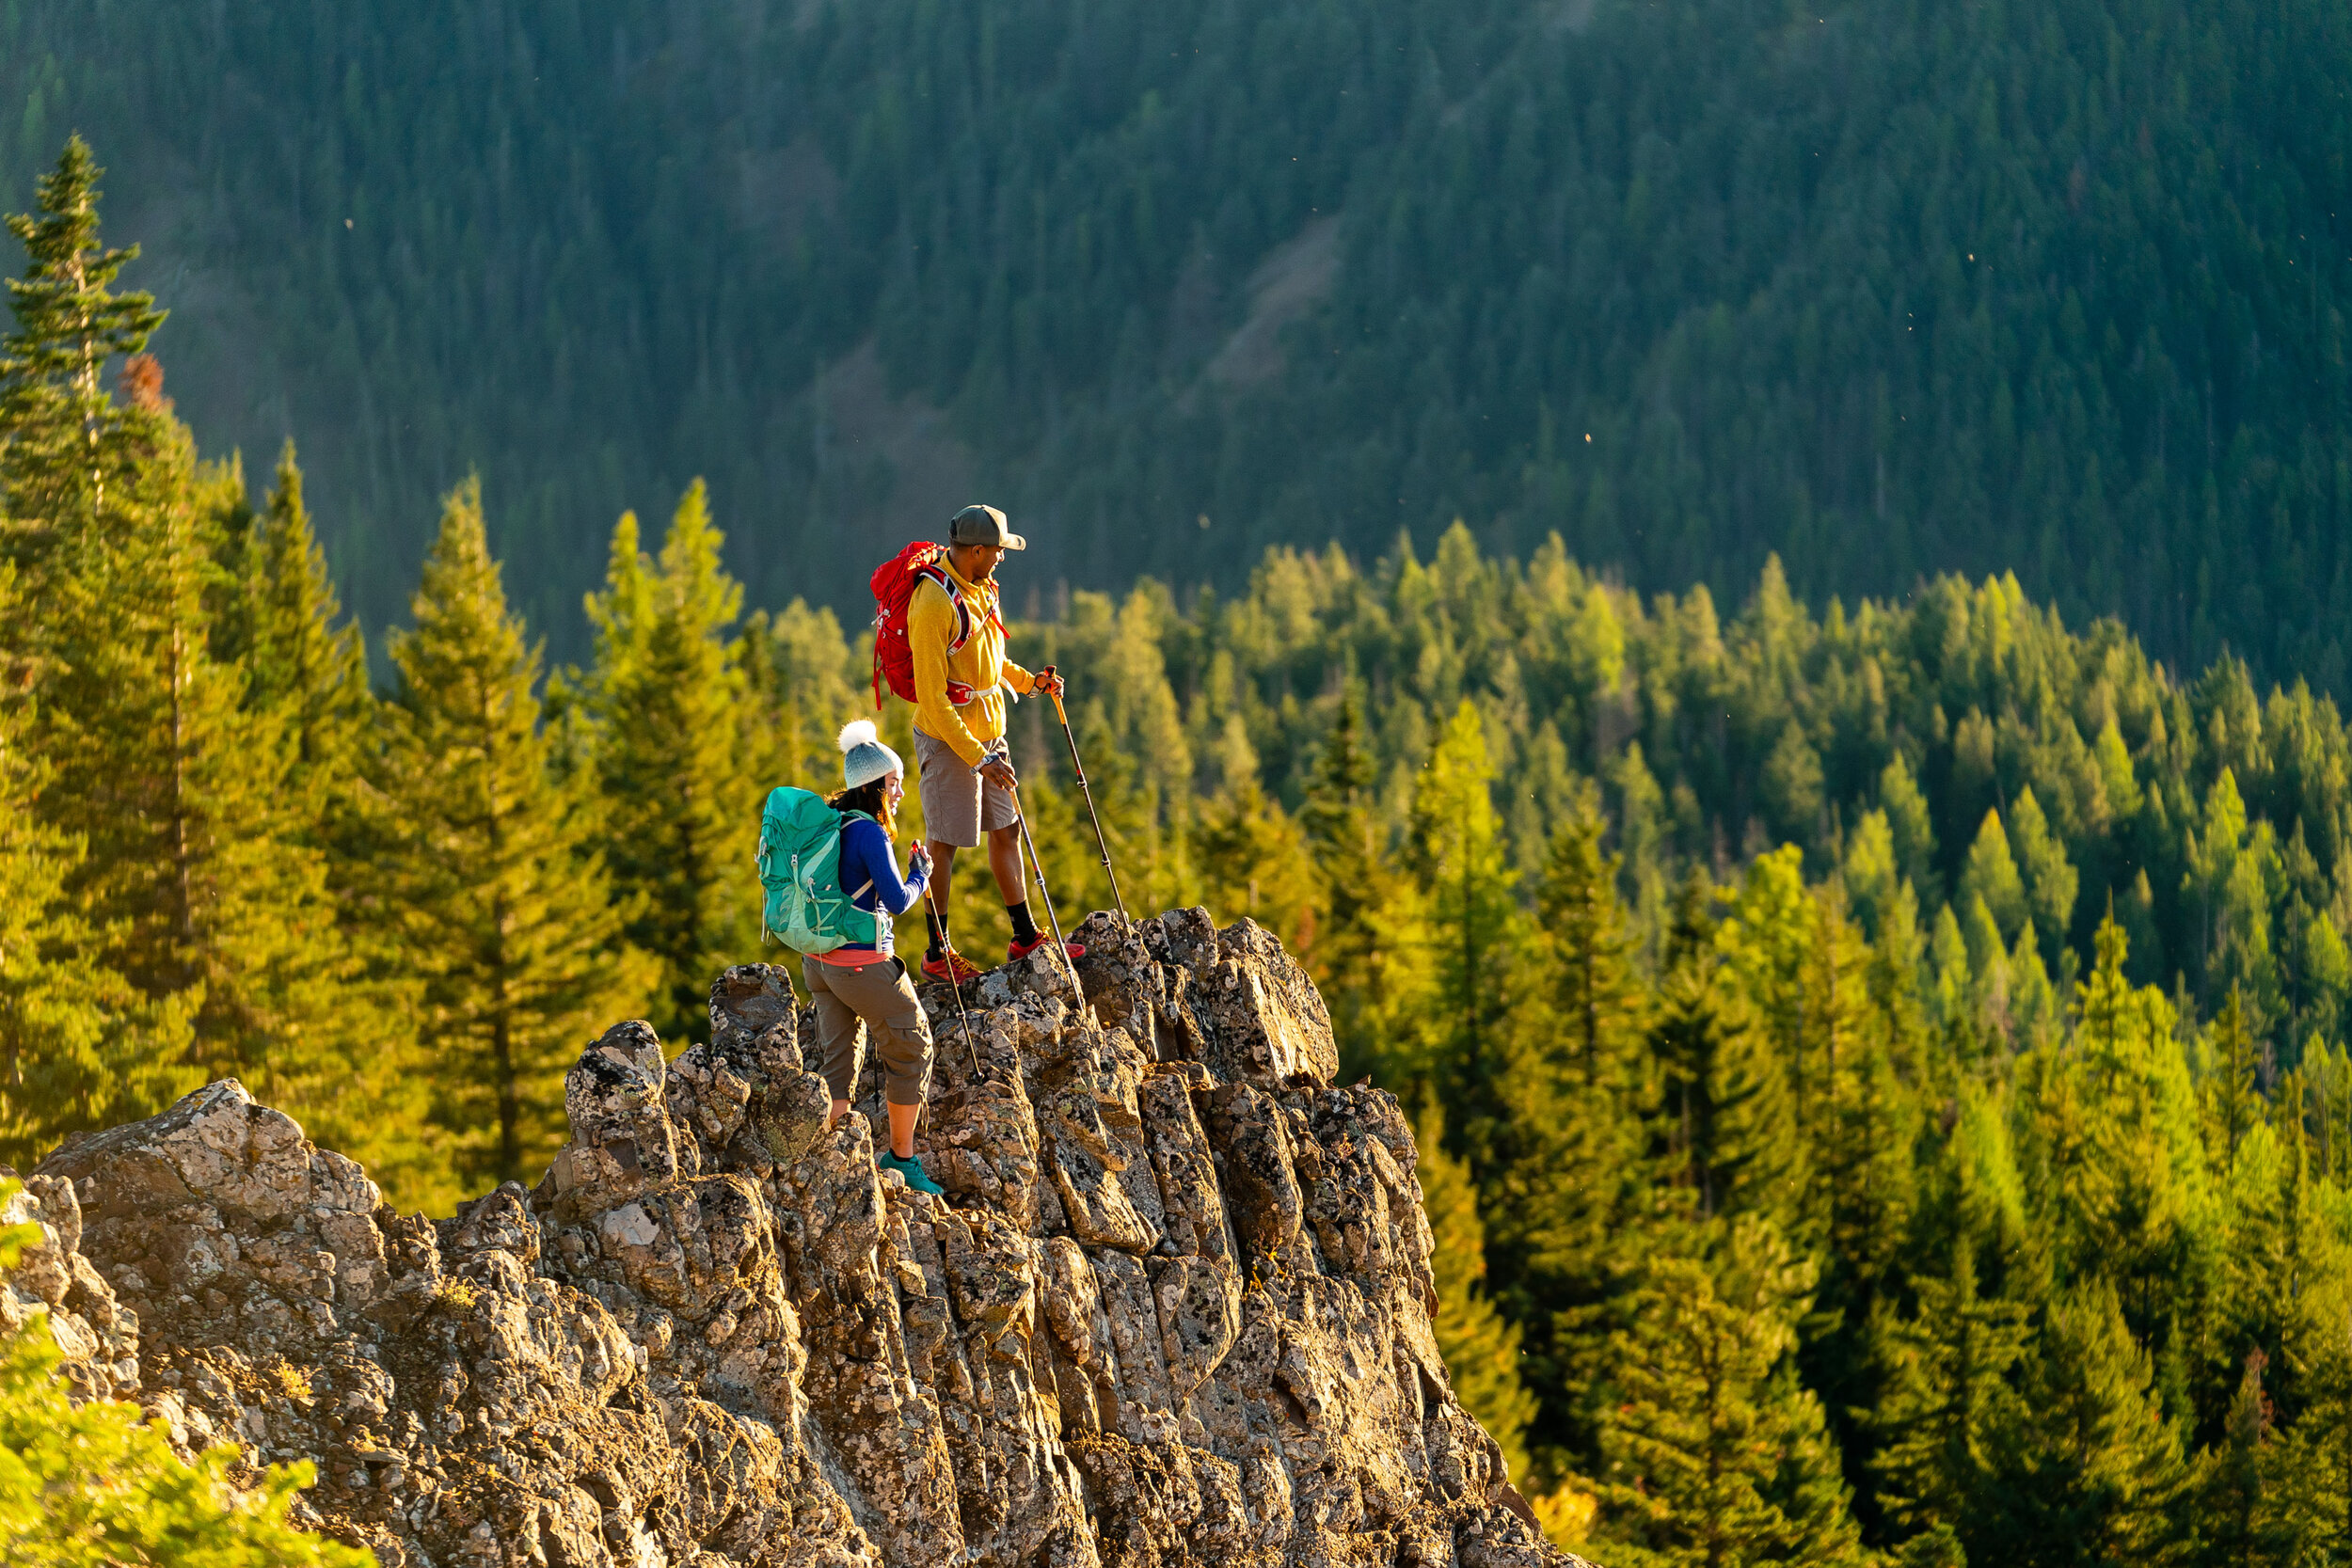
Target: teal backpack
800	867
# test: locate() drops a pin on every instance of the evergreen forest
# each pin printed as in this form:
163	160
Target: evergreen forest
1882	1063
1890	288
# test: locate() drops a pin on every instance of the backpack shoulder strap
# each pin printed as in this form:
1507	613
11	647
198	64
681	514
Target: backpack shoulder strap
934	572
848	817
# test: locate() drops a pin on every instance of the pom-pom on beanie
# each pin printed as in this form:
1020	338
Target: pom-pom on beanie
863	757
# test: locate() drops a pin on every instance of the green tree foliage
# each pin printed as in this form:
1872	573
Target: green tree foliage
1252	859
1950	1415
1715	1453
1347	842
2100	1451
97	1486
1474	936
2233	1097
1990	878
1585	954
64	435
78	1049
1481	1346
498	899
186	865
667	700
2050	882
1719	1095
305	662
199	882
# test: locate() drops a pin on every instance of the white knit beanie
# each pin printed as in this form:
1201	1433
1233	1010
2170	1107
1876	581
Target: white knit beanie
863	757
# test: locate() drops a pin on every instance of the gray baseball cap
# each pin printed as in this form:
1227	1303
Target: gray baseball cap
983	525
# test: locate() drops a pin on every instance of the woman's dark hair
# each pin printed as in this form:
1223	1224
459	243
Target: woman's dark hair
873	798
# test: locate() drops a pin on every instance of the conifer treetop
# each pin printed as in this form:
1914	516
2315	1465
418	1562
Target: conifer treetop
68	322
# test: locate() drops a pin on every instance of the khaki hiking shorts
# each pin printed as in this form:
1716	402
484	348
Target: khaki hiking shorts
958	804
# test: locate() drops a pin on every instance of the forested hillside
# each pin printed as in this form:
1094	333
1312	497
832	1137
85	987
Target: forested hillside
1880	1069
1888	287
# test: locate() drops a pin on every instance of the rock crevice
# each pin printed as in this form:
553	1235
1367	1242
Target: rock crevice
1176	1308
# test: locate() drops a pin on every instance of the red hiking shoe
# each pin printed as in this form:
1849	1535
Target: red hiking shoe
1015	950
952	967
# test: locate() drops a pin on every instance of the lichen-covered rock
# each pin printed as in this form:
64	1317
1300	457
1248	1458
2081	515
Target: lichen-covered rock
97	1335
1175	1308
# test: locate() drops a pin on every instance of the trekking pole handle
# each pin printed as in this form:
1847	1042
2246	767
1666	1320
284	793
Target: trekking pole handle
1054	692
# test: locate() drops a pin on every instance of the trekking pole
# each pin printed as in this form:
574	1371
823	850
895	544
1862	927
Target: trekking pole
1021	816
939	913
1100	842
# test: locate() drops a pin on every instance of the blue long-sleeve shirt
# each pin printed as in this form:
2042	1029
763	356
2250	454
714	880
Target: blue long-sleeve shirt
870	875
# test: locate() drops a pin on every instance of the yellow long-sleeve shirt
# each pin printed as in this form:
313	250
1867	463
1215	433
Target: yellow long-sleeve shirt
980	664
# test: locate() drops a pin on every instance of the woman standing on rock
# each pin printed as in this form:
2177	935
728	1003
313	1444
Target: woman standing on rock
860	987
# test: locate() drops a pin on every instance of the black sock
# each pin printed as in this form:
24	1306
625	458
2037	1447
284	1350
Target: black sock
1024	929
930	923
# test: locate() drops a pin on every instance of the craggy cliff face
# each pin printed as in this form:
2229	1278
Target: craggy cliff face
1178	1310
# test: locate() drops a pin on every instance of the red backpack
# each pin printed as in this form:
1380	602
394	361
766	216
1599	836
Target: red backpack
893	583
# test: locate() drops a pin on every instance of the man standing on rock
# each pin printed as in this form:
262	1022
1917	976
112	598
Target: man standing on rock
960	674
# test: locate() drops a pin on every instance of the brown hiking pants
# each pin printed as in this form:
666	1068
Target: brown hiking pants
853	999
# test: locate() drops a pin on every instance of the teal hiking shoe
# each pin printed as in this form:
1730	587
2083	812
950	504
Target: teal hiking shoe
917	1178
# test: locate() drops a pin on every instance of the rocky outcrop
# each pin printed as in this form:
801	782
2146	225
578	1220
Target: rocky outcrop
1176	1308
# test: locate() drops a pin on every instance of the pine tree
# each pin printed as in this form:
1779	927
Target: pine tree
1715	1453
2095	1471
2115	1121
302	664
1863	1199
61	435
1838	1064
1991	874
197	875
1346	843
1586	956
1474	941
496	895
1910	822
1946	1405
2051	882
1868	869
2233	1481
1720	1110
1767	945
770	727
307	677
1576	1206
1480	1346
79	1049
196	869
1155	872
1252	859
2309	1480
2233	1100
680	814
1155	867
